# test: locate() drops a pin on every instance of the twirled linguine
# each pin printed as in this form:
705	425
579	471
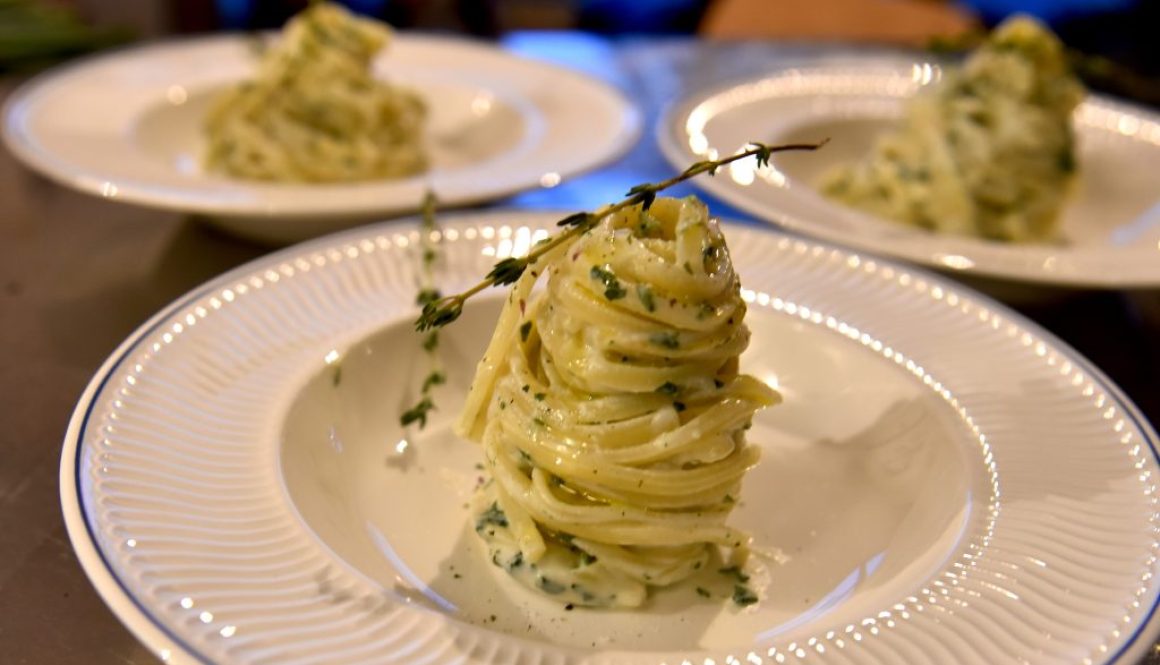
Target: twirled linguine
989	151
315	112
611	411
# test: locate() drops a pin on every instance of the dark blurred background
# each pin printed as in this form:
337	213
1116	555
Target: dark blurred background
1120	53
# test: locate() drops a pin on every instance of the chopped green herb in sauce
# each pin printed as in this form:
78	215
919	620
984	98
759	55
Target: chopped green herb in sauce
735	572
550	586
668	340
515	562
493	515
612	288
742	596
645	294
710	254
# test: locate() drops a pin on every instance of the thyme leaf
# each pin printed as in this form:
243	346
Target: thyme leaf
575	219
417	413
426	296
507	271
434	379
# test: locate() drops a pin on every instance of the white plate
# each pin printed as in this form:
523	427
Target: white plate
950	481
127	125
1110	227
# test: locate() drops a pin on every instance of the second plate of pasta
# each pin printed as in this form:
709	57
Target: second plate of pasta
1109	235
495	124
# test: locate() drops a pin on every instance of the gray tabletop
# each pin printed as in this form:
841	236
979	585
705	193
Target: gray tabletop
78	274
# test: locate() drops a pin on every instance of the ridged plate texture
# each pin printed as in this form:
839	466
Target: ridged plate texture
177	507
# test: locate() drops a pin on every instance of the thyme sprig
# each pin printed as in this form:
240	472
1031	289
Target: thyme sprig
428	232
442	311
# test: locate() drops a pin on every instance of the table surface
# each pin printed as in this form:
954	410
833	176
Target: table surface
78	274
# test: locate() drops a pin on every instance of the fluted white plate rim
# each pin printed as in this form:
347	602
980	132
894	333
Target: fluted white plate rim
569	123
875	78
167	641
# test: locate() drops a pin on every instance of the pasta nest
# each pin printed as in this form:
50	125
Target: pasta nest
611	410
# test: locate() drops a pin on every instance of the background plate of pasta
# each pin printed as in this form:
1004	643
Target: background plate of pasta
210	126
942	480
998	168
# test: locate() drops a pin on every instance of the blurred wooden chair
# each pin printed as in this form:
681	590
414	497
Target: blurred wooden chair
904	22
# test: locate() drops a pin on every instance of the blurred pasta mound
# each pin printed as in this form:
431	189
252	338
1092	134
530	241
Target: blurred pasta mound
315	112
988	152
